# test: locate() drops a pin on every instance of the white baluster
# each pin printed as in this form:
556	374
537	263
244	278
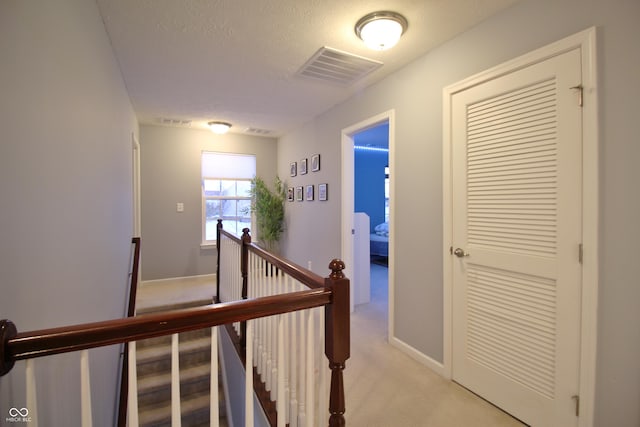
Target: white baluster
310	397
259	329
286	361
267	355
273	346
281	404
214	411
32	401
248	396
302	413
293	369
323	401
85	389
175	382
256	293
276	286
132	394
264	333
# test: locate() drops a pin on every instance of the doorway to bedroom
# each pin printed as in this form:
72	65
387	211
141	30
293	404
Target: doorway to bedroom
372	210
369	259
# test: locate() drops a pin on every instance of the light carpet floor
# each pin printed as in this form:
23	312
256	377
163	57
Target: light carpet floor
386	388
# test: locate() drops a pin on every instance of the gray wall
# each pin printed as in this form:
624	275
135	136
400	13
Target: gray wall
66	185
415	93
170	173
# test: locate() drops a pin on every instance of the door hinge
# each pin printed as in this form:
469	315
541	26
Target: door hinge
581	89
580	253
576	399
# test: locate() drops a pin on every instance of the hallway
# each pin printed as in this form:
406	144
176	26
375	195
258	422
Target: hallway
383	386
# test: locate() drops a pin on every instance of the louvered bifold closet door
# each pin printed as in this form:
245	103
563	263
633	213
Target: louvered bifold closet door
516	214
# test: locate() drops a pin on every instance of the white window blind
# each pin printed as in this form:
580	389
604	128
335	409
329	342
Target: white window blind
228	165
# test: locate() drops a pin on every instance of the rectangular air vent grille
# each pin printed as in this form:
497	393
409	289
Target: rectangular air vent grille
174	122
339	67
257	131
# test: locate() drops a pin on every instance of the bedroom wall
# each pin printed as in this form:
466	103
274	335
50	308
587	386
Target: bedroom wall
369	184
170	163
415	93
66	221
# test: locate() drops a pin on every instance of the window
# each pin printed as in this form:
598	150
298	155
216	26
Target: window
226	181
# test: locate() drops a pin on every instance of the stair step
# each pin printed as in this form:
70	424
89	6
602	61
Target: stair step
157	388
157	360
195	411
166	339
153	362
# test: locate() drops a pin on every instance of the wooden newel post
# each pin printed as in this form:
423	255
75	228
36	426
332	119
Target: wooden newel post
337	339
7	331
244	270
218	232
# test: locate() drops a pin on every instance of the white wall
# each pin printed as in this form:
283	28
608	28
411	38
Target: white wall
171	173
66	185
415	93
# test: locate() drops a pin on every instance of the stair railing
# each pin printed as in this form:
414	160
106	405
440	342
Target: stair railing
331	293
291	378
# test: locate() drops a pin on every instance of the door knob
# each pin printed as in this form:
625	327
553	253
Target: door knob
460	253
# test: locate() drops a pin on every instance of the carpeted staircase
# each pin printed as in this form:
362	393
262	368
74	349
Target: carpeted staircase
154	376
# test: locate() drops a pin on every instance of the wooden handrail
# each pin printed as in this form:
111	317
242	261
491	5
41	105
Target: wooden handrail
45	342
294	270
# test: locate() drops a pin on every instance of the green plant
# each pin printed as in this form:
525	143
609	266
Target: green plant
268	207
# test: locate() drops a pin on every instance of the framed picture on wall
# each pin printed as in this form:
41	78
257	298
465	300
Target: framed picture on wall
293	169
309	192
299	194
290	194
303	166
315	163
322	192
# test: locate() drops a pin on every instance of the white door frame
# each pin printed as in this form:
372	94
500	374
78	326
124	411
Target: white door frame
586	42
348	193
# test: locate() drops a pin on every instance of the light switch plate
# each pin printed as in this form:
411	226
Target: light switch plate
180	207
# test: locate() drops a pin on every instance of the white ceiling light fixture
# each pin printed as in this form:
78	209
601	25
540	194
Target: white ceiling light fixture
381	30
219	127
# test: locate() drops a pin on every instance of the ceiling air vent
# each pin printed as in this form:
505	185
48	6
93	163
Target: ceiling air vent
338	67
257	131
174	122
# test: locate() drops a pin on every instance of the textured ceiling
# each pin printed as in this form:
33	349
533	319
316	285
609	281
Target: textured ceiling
236	60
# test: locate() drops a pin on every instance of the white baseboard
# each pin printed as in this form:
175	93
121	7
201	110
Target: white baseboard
197	279
419	357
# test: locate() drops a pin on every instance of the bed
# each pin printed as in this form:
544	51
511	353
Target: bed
379	241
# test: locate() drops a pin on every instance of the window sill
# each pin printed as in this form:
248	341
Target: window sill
207	246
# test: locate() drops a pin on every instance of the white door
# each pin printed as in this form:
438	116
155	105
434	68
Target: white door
516	192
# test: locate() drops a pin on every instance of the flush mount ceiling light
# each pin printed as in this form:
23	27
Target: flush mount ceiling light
219	127
381	30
